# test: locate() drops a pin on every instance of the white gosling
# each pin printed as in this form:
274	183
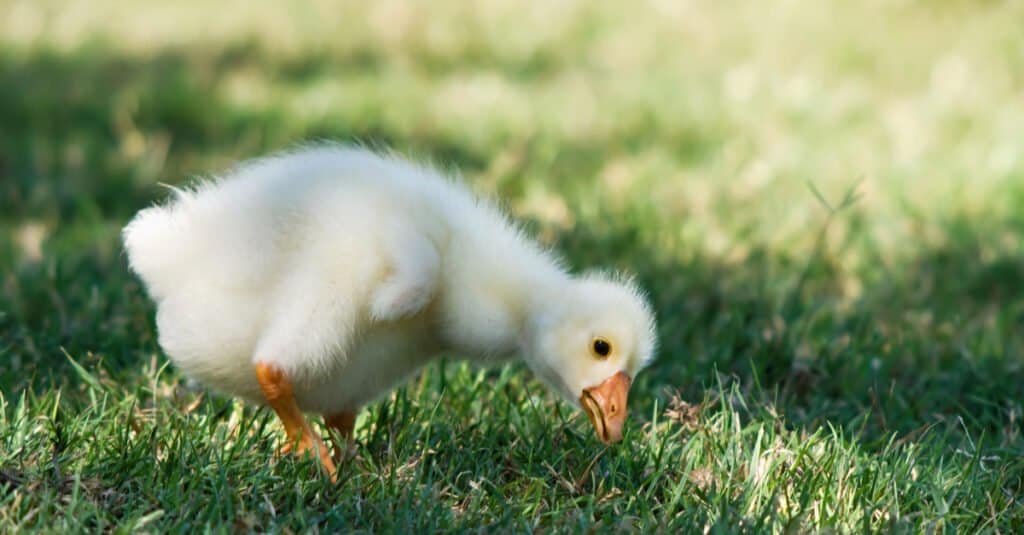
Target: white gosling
318	280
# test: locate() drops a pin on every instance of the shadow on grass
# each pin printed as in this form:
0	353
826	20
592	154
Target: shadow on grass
932	336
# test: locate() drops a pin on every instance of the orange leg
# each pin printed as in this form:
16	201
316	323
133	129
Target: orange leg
280	396
340	425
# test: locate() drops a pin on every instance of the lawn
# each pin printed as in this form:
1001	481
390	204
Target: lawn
825	201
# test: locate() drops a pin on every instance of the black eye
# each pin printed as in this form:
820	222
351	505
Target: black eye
601	347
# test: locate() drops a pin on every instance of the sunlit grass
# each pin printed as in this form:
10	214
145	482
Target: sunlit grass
854	368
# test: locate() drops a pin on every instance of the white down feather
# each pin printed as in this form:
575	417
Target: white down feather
350	270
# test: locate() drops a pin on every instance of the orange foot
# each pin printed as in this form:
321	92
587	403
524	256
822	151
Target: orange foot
277	390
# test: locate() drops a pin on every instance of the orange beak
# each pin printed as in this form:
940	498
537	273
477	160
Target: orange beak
606	406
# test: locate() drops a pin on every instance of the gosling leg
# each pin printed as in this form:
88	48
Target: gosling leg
340	425
277	390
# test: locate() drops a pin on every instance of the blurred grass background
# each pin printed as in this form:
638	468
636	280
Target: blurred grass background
705	146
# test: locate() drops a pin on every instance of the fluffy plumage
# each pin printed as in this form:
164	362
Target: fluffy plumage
350	270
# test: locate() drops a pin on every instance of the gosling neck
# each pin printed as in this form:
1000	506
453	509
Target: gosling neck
548	295
500	322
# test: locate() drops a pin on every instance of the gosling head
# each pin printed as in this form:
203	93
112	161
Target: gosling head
589	342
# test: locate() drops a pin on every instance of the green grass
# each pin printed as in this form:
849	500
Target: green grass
845	366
